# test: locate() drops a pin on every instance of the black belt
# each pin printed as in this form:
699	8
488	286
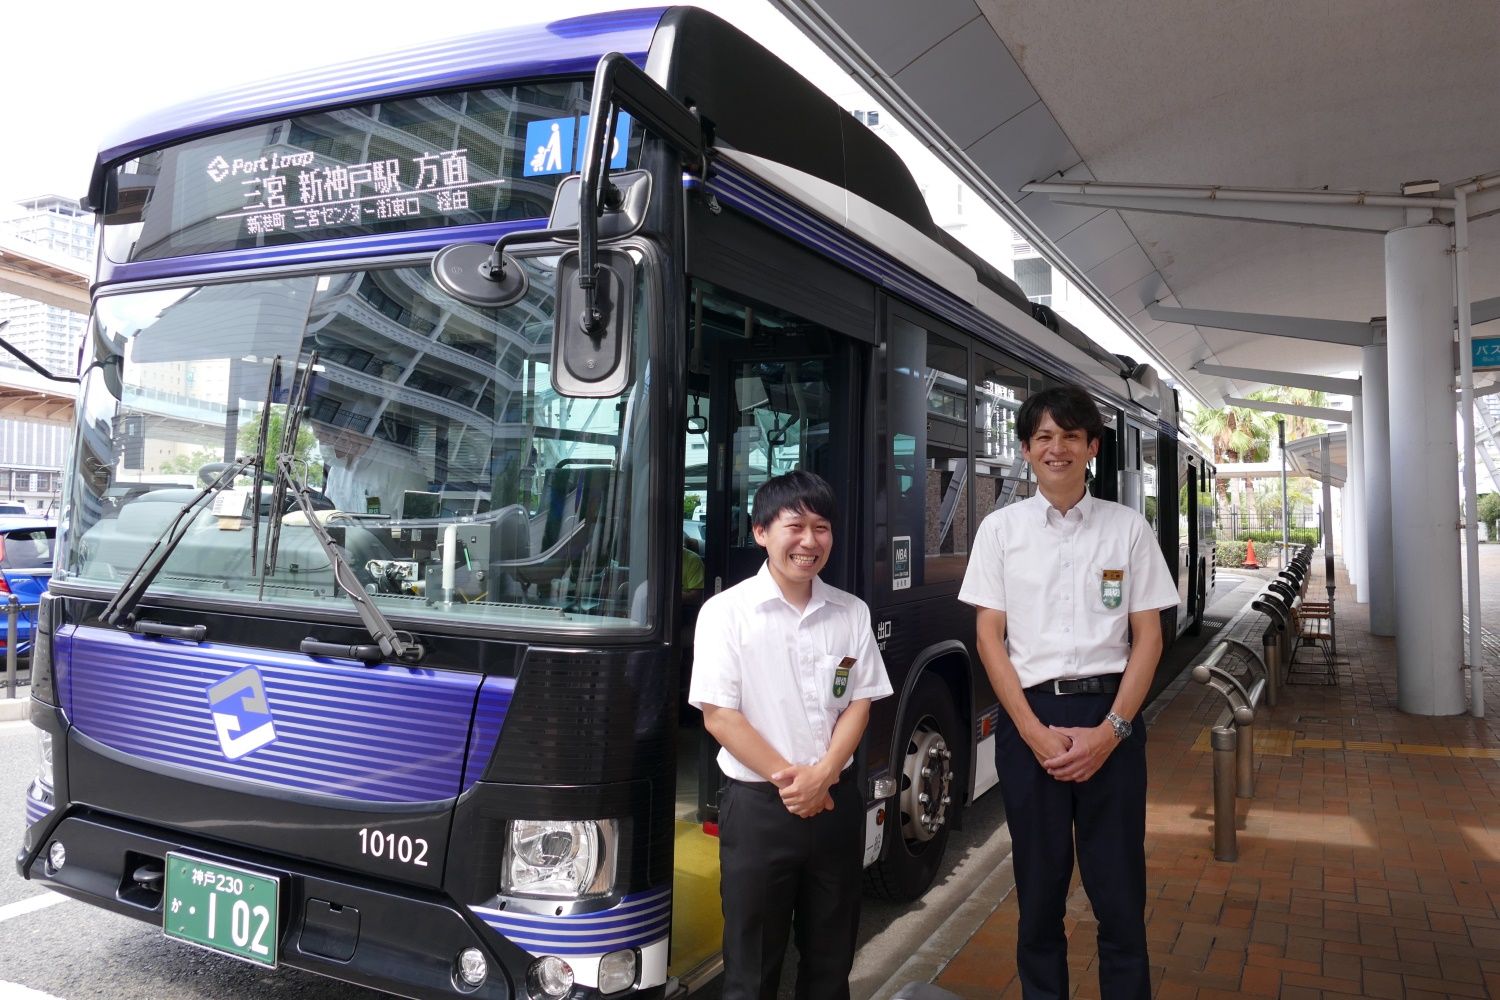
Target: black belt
1102	684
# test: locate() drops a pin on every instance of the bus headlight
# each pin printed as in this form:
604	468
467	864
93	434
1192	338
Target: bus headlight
549	978
617	971
560	858
44	758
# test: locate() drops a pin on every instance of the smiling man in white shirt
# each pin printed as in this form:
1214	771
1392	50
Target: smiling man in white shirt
784	670
1068	589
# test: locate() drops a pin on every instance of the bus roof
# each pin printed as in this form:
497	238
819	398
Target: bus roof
558	48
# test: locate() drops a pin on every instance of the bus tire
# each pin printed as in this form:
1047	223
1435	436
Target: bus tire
926	767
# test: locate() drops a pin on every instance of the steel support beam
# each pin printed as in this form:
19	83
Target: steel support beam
1297	380
1326	331
1358	211
1329	414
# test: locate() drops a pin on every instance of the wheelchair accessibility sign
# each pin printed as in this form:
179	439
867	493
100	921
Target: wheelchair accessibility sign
241	713
555	145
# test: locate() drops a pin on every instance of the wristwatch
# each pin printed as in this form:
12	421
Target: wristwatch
1123	727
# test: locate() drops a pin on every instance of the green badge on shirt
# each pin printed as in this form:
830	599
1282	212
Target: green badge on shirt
1112	587
841	676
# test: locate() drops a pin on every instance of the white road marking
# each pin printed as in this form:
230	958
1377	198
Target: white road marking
15	991
24	906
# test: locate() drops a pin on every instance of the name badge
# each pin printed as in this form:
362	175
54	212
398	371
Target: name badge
841	676
1112	587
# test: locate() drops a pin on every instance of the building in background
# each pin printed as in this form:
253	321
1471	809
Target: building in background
55	233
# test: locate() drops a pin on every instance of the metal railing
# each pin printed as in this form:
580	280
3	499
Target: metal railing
1232	738
13	610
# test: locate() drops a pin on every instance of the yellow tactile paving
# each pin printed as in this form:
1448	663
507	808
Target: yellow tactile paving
1489	753
1423	750
1281	743
1370	746
1276	742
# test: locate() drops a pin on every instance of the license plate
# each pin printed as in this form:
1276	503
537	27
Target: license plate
223	908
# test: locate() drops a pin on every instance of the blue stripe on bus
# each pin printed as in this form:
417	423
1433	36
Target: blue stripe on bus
35	810
639	920
350	248
387	734
569	47
489	716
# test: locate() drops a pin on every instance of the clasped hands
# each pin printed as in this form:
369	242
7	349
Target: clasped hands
1073	753
804	788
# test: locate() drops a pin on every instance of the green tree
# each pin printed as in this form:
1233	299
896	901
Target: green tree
305	452
187	465
1489	512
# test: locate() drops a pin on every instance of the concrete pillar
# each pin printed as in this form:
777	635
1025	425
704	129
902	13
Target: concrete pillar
1354	468
1379	569
1424	470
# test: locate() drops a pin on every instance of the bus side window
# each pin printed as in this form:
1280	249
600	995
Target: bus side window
929	440
1000	472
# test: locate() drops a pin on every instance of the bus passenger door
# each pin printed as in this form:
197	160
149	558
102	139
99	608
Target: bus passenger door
780	395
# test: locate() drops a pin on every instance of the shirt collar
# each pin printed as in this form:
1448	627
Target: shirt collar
765	589
1084	507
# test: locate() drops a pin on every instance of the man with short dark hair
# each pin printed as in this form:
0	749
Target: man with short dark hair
1068	589
784	670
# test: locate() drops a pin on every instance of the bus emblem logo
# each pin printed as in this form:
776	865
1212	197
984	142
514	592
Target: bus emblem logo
218	168
242	715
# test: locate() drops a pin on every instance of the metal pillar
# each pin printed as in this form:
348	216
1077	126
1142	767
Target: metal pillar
1286	527
1355	560
1466	407
1424	466
1381	573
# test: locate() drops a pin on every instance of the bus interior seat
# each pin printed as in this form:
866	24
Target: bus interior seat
549	565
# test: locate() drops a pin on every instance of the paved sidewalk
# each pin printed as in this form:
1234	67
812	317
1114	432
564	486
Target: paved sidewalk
1369	858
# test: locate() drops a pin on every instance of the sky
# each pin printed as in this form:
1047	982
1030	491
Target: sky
74	71
71	71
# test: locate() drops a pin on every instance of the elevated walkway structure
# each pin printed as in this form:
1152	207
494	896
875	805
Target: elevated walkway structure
1369	856
36	273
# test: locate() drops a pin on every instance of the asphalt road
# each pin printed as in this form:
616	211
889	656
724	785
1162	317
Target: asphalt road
52	947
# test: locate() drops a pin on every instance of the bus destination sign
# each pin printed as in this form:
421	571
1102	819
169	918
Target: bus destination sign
283	189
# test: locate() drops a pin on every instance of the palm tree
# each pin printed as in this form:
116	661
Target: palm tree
1237	435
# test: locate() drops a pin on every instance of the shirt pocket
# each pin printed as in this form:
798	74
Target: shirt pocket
835	678
1107	587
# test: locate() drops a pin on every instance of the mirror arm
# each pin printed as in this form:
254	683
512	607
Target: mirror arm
25	359
494	268
621	84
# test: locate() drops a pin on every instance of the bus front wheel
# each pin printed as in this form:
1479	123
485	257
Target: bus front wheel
928	788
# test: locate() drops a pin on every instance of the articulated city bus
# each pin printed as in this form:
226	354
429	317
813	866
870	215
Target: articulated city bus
422	405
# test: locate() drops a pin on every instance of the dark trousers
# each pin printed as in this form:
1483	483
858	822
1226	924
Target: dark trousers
780	873
1106	815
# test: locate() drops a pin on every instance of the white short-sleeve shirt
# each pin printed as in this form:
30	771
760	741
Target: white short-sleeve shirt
1067	584
790	673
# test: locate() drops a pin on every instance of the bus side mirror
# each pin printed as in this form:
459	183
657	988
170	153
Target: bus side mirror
109	358
591	346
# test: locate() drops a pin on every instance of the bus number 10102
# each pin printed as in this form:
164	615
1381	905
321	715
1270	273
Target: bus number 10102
407	850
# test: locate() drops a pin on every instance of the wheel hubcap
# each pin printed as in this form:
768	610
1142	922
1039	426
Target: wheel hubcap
925	779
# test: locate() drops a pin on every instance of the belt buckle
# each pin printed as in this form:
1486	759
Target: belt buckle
1057	683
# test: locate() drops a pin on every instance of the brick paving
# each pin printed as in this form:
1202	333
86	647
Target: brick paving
1369	857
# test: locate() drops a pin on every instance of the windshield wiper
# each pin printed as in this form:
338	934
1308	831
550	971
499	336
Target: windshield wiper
393	644
117	612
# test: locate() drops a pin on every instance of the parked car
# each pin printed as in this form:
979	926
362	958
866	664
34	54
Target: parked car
26	546
9	507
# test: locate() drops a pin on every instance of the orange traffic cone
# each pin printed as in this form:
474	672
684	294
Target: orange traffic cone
1250	562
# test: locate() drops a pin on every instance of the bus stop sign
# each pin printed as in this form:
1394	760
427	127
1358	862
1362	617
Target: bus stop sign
1486	354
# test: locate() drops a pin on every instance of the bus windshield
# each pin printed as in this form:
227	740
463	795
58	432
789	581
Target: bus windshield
457	482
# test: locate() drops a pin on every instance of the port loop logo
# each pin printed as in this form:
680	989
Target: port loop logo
241	713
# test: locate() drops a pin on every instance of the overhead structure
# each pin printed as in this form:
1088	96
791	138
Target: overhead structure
1212	176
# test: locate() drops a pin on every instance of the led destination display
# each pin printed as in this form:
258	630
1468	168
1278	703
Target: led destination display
446	160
